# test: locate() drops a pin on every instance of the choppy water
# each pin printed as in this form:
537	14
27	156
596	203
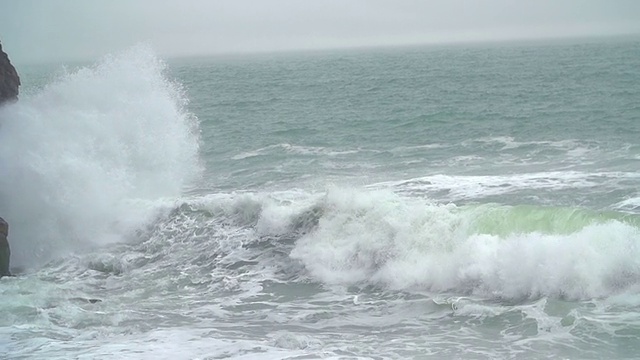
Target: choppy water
440	202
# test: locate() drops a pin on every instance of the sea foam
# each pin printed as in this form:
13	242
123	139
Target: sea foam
382	239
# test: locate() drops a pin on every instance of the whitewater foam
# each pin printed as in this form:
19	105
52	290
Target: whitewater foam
382	239
292	149
461	187
348	237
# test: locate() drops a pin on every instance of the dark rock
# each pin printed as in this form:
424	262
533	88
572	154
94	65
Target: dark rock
9	84
5	252
9	79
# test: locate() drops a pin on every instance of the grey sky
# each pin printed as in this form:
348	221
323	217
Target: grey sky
41	30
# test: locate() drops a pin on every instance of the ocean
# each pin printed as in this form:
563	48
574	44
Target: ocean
475	201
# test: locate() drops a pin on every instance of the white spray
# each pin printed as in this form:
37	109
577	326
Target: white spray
78	158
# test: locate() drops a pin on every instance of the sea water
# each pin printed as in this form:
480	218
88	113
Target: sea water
470	201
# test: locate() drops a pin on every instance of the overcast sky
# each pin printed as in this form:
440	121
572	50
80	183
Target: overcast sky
43	30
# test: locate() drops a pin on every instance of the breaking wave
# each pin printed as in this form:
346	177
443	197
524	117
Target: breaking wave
348	237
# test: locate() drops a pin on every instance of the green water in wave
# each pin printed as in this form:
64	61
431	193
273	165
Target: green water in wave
506	220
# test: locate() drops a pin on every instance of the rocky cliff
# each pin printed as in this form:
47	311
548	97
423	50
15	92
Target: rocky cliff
5	252
9	83
9	79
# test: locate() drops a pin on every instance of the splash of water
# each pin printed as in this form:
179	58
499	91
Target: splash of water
81	158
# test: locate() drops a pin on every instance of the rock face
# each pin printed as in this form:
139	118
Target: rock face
9	83
5	252
9	79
